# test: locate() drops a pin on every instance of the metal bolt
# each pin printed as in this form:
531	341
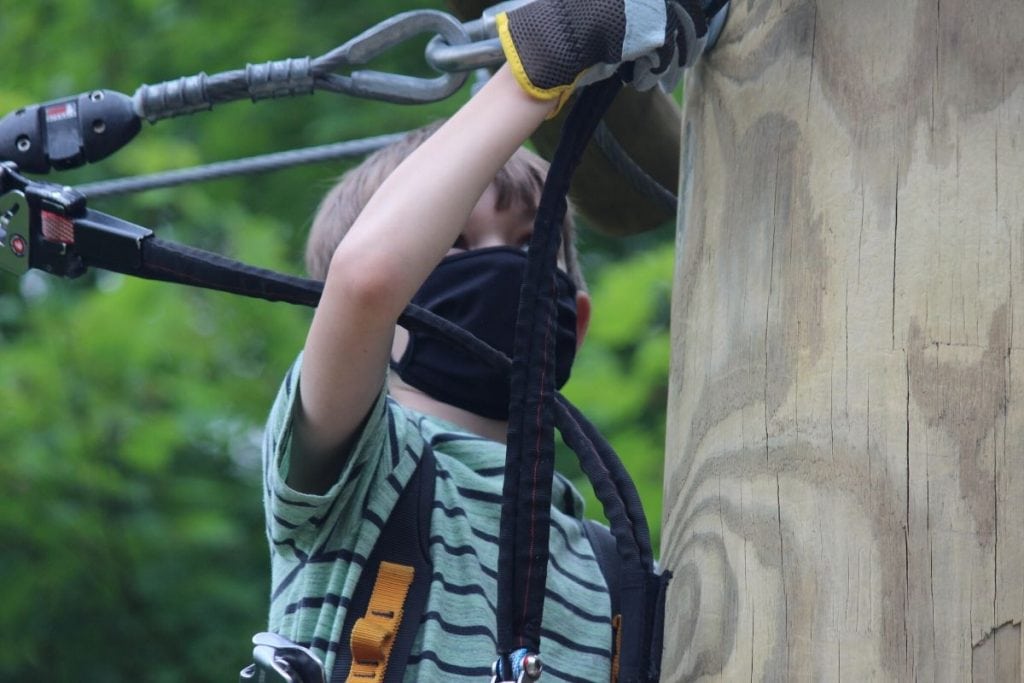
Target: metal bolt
533	666
24	144
96	95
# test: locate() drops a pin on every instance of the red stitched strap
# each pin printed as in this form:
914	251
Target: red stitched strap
529	468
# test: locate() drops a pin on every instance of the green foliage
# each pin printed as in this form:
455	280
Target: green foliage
132	534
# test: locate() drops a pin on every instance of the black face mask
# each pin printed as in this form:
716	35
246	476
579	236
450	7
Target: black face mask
478	290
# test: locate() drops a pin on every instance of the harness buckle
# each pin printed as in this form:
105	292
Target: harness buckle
529	666
716	22
279	660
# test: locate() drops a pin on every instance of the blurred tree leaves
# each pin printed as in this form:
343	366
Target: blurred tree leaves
132	543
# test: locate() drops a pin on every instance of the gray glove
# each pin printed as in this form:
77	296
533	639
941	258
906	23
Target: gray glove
554	46
687	35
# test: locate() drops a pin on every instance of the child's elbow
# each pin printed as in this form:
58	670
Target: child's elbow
366	283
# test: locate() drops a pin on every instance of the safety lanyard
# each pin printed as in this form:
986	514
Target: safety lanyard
534	409
529	466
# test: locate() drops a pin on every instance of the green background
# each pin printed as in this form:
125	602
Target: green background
131	533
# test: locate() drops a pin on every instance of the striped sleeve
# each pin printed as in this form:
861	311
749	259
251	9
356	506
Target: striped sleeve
319	543
298	517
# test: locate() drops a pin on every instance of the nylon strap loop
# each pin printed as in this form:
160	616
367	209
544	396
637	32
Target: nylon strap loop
529	466
374	635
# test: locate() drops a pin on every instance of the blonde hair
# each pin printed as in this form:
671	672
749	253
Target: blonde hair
518	183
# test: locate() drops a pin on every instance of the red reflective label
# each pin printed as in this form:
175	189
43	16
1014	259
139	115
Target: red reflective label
59	112
57	228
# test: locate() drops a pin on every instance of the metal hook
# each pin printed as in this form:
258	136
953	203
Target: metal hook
484	50
377	40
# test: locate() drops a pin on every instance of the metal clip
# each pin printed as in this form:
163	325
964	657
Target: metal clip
716	23
480	54
529	665
279	660
372	43
15	244
483	50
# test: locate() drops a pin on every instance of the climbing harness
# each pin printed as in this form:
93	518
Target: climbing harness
57	233
49	227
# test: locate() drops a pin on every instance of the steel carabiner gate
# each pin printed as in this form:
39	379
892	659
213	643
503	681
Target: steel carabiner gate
391	87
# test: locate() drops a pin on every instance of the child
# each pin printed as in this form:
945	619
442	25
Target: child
443	229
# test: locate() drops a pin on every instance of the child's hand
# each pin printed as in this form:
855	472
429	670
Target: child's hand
555	45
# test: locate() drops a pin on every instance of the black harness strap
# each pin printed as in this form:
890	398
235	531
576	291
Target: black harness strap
171	262
525	515
641	592
405	539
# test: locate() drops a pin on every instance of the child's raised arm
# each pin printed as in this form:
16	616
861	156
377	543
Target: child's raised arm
418	212
402	234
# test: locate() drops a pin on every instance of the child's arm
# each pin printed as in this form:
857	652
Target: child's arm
418	212
401	235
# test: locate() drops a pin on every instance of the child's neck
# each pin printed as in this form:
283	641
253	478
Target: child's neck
411	397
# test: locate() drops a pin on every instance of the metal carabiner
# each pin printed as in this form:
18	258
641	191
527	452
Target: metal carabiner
479	54
716	22
528	665
279	660
373	42
484	50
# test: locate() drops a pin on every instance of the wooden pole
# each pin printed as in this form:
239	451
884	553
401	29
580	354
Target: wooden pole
845	459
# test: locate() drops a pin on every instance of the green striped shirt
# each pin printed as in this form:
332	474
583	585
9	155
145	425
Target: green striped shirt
319	544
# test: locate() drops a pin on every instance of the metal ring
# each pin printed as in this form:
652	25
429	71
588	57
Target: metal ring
392	87
457	58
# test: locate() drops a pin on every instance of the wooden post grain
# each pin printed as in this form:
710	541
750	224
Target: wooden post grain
844	492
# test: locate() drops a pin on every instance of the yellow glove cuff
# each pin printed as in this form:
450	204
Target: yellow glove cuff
561	93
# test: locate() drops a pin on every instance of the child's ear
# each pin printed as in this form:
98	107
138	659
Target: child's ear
582	316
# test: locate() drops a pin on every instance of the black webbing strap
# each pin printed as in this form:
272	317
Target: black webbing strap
525	514
405	539
641	592
172	262
613	475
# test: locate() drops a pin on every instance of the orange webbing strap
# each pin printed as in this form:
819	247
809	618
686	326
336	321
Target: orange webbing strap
374	634
616	646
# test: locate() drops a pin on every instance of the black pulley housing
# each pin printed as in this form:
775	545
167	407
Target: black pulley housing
68	132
